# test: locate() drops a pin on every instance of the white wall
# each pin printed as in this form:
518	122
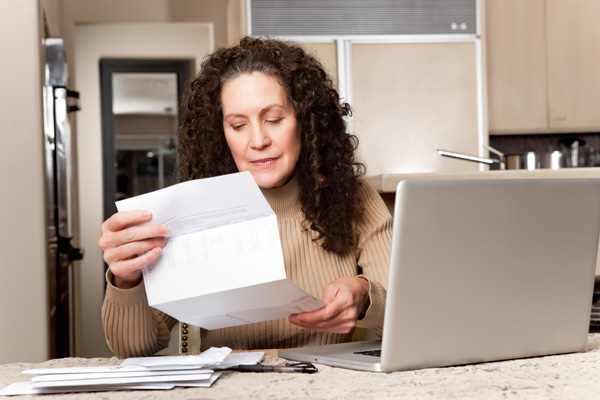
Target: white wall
24	336
92	42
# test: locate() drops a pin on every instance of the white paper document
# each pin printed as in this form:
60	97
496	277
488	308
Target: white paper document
222	265
136	373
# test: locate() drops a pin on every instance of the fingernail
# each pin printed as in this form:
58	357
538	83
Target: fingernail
146	214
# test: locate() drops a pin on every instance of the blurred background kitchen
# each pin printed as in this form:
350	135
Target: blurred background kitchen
518	77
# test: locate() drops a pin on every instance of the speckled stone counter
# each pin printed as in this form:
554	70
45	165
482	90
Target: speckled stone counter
569	376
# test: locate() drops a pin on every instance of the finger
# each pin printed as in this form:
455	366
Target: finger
128	267
133	249
339	325
330	292
339	316
123	219
324	314
337	301
136	233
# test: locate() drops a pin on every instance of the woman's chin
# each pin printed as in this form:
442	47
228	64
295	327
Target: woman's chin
267	180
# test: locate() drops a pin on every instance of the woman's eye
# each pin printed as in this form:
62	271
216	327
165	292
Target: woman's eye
274	121
237	127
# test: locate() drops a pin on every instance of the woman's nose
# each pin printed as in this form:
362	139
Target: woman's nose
260	138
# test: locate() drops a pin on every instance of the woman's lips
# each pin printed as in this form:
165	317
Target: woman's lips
264	163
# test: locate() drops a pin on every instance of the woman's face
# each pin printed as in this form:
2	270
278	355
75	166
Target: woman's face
260	128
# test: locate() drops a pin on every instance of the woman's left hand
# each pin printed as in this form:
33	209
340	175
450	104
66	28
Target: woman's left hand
346	299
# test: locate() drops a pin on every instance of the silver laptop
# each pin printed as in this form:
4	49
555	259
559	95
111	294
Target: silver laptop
482	270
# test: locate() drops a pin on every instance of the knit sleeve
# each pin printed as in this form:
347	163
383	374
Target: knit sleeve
373	255
132	328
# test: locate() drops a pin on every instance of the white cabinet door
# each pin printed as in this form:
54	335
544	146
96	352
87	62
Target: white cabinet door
543	59
411	99
515	35
573	64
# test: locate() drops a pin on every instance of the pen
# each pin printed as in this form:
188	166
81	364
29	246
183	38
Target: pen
303	368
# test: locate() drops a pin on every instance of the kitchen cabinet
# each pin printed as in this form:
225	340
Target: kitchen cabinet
573	35
516	65
542	65
411	99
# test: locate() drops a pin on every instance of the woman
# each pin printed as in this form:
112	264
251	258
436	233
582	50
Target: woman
267	107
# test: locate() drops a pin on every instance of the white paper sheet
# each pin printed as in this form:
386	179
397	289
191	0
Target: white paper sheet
243	358
124	380
119	374
28	388
223	264
207	383
209	358
82	370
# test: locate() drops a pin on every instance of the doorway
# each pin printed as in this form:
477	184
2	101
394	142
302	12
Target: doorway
140	109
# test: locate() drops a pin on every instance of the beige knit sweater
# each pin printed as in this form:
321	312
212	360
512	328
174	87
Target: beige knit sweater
133	328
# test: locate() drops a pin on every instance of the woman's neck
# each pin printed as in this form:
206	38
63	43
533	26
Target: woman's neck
285	199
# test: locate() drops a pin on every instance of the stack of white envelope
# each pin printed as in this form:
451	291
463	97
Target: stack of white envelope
143	373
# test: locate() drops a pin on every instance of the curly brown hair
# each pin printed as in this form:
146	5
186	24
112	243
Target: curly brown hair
327	169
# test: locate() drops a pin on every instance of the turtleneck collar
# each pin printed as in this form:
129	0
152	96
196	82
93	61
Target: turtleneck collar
285	199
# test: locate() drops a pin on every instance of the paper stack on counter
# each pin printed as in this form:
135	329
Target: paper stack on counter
222	265
143	373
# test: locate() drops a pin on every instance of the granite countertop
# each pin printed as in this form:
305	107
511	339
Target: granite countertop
568	376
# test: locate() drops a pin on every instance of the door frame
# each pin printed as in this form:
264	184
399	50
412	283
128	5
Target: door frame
109	66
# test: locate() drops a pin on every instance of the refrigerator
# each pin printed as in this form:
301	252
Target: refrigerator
59	102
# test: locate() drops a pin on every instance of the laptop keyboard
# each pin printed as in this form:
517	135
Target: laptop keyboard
374	353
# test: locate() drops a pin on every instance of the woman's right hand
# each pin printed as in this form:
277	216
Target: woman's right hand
129	246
